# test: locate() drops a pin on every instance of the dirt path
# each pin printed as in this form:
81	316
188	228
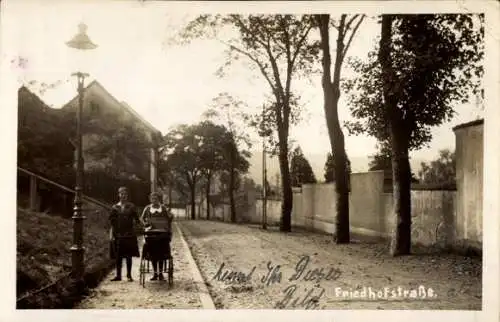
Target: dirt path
156	295
455	281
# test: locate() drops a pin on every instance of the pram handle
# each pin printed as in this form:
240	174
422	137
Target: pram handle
152	232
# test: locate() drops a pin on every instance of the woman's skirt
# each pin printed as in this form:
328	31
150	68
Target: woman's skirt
157	247
124	247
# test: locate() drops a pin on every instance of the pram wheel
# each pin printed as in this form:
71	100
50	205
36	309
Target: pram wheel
168	265
144	265
143	270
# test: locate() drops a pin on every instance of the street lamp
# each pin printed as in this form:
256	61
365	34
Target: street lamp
80	41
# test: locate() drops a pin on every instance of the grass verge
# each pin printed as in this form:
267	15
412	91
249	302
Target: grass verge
44	259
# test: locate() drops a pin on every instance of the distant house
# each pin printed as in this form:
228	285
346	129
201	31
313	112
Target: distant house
105	115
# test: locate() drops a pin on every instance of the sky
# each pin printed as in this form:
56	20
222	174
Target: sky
169	84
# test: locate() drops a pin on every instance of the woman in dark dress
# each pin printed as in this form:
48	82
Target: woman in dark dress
123	219
156	218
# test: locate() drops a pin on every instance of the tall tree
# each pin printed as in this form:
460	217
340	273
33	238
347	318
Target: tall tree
440	171
231	113
346	29
300	170
182	153
278	46
424	65
237	165
330	168
177	188
212	153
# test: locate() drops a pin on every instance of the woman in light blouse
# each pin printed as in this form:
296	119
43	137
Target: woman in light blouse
156	217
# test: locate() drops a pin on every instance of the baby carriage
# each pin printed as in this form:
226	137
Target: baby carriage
155	238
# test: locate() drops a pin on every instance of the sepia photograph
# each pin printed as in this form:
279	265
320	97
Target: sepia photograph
226	158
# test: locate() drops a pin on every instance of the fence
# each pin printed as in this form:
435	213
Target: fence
96	259
444	216
220	207
35	202
434	212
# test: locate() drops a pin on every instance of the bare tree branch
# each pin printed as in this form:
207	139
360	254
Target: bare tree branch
279	86
255	60
347	26
352	35
300	43
289	63
332	24
287	44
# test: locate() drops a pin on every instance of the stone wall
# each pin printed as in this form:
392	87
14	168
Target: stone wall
469	154
371	211
440	218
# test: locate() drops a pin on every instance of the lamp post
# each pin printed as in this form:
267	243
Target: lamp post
80	42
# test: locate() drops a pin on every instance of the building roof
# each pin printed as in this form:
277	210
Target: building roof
25	90
468	124
126	107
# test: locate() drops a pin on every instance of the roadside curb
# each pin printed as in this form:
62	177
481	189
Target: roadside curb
205	298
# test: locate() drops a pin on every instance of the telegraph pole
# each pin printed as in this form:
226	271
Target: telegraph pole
264	177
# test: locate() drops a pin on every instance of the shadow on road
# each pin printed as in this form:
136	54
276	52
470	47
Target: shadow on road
179	285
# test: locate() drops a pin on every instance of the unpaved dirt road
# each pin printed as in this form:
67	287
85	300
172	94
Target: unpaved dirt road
336	272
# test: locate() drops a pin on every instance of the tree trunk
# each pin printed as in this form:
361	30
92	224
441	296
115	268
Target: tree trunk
232	178
342	226
232	200
331	92
401	176
193	201
207	195
287	203
401	171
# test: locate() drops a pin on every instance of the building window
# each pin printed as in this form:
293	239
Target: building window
94	108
